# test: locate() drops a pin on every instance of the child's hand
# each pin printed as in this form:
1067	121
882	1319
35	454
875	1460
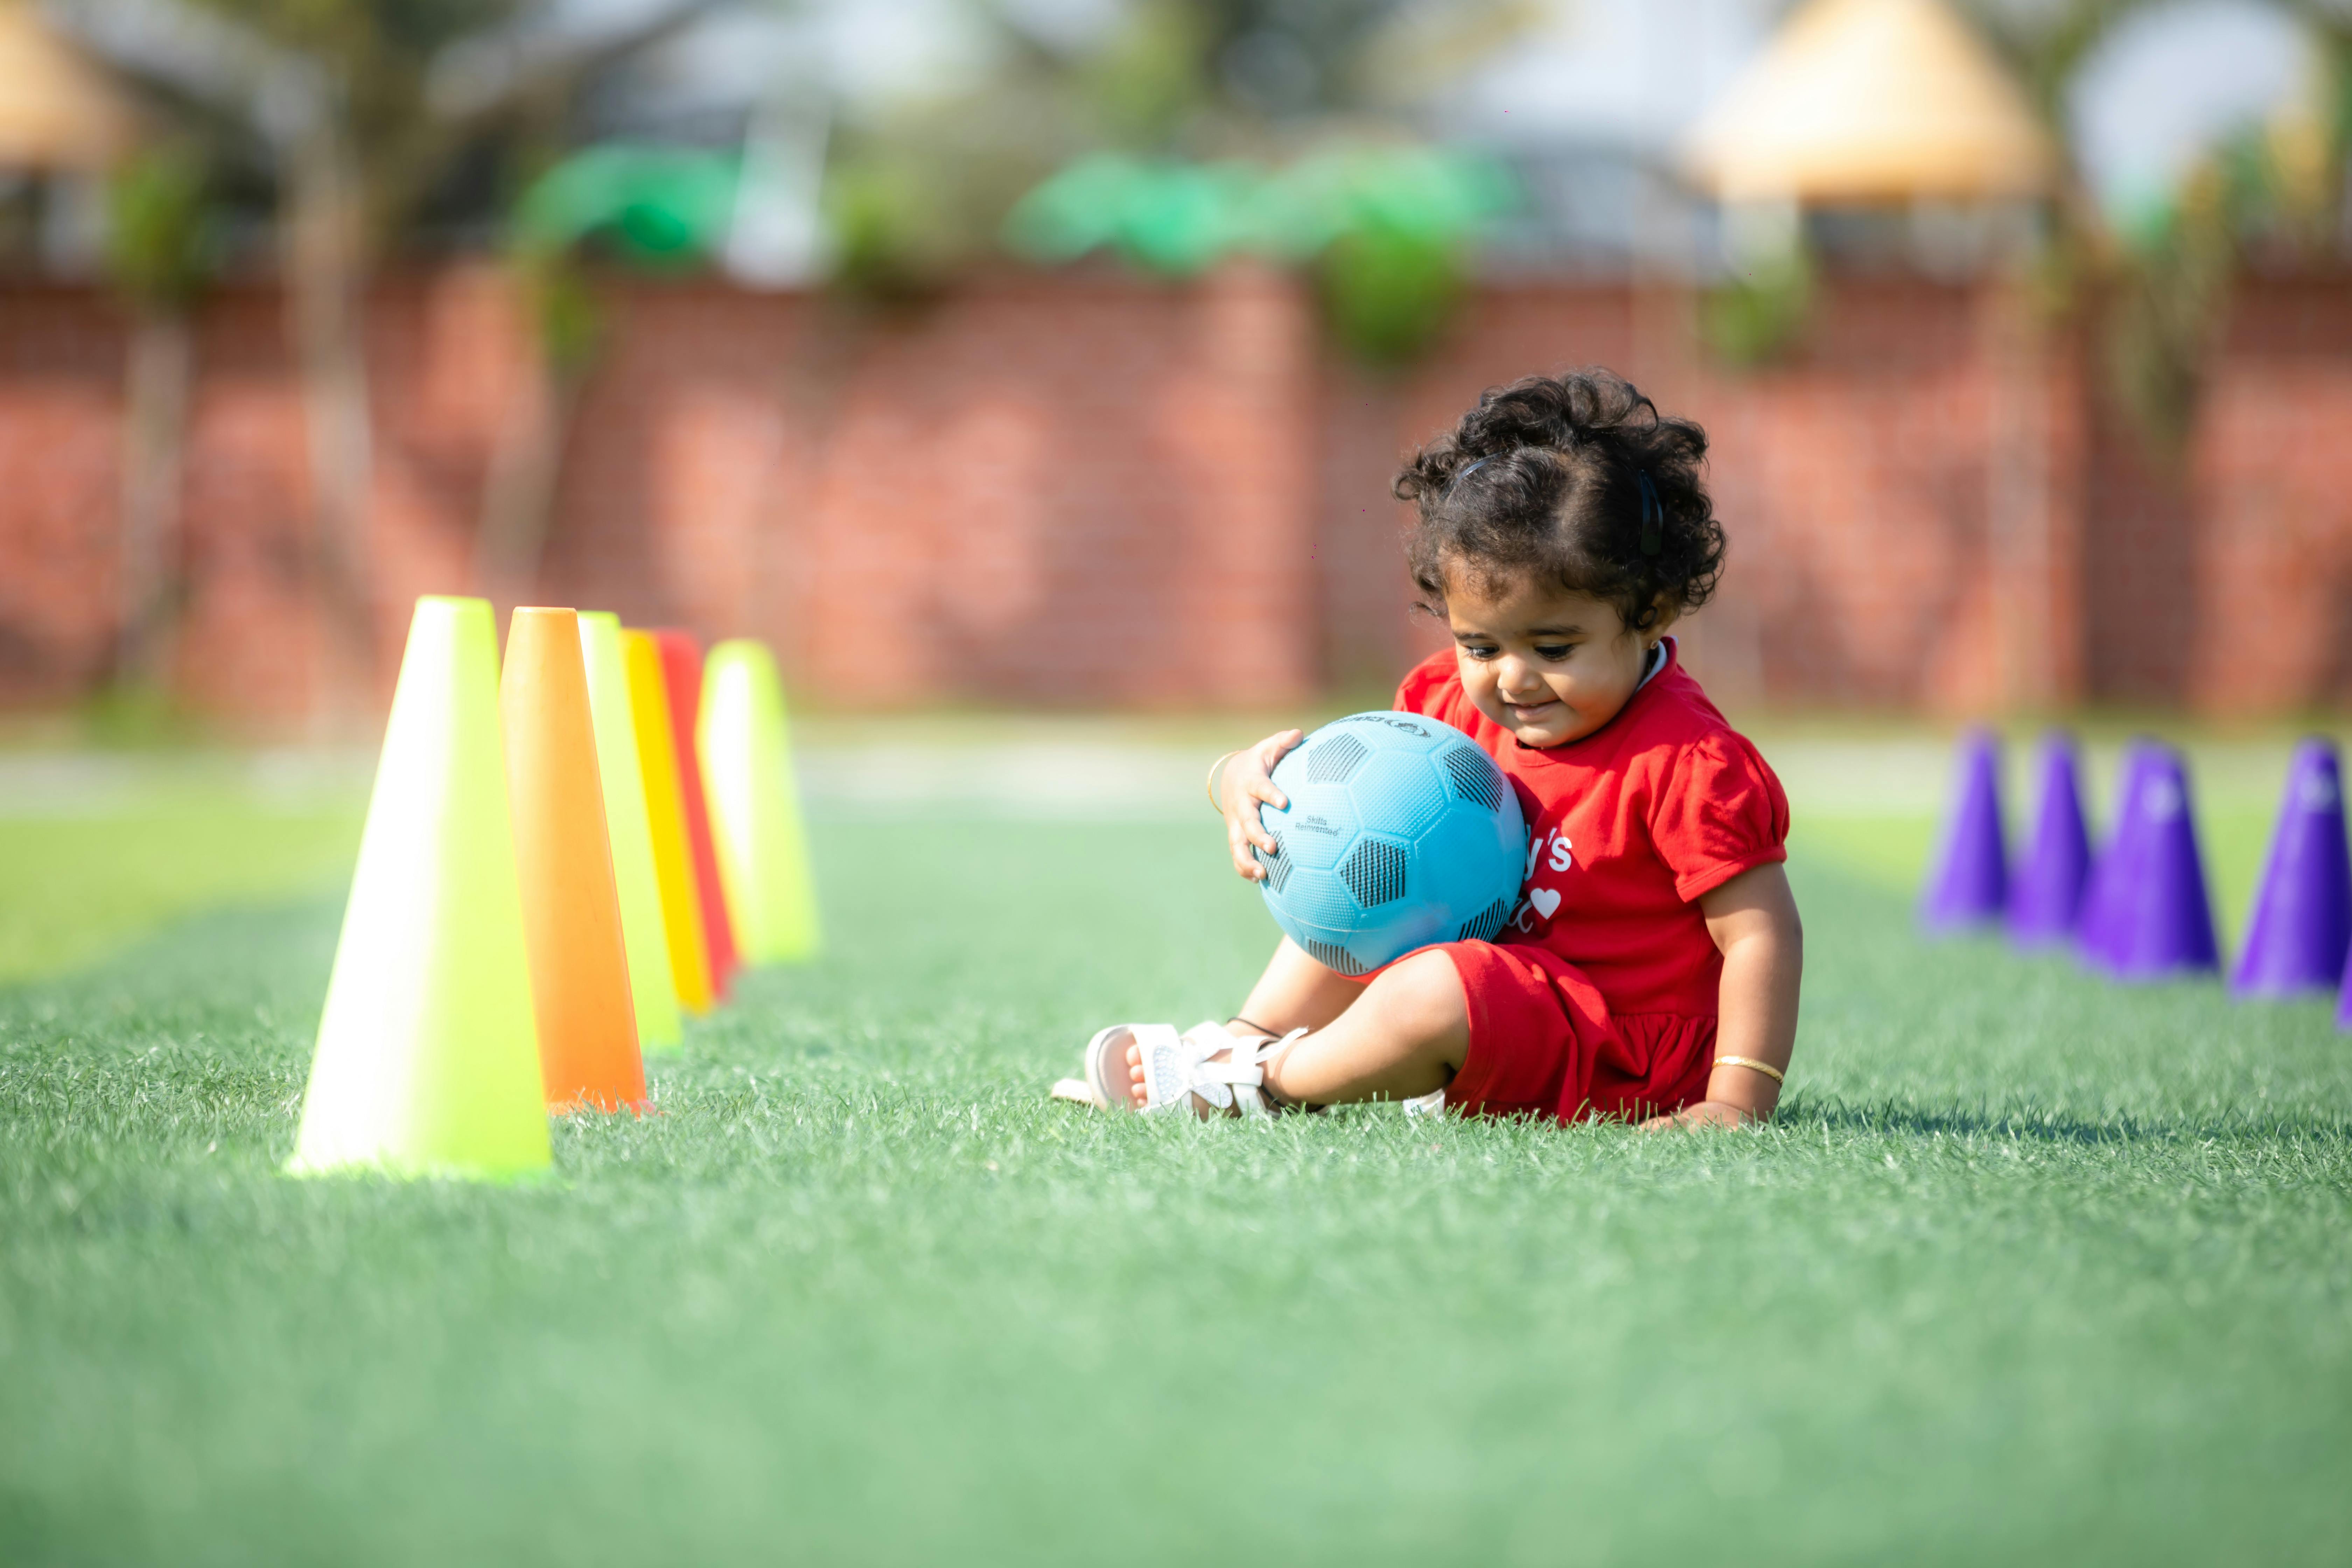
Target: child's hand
1245	782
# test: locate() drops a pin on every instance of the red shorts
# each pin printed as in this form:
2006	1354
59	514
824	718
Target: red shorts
1542	1041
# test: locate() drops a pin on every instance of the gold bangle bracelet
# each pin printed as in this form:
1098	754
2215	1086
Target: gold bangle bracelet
1767	1069
1212	780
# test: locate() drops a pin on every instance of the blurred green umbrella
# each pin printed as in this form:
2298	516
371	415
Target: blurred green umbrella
1433	195
661	204
1174	218
1178	218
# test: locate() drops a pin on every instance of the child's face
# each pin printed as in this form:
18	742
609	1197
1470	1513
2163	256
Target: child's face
1548	665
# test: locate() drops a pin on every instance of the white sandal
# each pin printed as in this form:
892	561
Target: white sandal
1177	1070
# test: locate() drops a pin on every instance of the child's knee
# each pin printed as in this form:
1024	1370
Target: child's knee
1423	994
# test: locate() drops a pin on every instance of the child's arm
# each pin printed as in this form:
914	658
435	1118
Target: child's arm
1237	783
1753	920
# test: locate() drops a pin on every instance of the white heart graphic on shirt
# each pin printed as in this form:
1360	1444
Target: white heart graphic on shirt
1545	900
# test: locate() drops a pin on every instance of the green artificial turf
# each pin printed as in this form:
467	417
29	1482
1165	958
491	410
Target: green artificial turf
77	885
2031	1269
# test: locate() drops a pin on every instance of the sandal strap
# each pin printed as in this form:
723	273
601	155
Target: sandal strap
1177	1067
1245	1069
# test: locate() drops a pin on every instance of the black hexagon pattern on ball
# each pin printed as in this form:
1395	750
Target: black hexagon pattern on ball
1334	957
1336	760
1474	778
1374	872
1277	865
1482	926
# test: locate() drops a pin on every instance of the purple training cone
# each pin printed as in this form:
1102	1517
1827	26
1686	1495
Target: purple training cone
2046	898
1970	884
2114	868
2164	923
2302	922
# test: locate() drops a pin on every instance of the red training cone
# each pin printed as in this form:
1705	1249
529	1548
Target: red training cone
682	673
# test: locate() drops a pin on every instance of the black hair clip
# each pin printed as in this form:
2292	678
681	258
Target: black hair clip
1653	518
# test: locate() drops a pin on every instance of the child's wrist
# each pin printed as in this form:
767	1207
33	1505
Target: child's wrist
1216	777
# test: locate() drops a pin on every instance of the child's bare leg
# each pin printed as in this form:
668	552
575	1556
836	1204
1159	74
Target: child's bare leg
1405	1036
1297	993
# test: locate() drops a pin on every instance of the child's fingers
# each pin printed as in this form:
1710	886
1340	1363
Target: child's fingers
1267	790
1270	749
1243	861
1253	827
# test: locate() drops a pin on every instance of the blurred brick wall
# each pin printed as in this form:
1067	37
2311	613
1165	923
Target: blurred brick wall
1090	491
2268	535
61	386
1074	490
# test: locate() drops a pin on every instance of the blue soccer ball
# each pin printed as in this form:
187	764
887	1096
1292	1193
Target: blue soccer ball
1400	832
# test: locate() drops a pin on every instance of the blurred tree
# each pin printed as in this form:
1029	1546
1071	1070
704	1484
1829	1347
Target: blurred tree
160	253
360	108
2163	281
658	206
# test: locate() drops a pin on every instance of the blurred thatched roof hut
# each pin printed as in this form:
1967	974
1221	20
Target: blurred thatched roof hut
57	110
1872	100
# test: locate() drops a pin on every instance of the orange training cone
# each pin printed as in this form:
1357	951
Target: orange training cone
681	905
571	915
682	670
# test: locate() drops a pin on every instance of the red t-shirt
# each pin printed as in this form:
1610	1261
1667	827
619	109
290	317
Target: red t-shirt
1626	827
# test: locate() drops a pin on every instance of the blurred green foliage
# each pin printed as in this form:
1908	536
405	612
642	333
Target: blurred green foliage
1759	315
159	240
900	225
1387	295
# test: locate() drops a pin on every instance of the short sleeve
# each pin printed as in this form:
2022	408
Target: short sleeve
1430	687
1719	812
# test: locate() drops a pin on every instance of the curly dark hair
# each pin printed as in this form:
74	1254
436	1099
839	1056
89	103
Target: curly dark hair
1546	476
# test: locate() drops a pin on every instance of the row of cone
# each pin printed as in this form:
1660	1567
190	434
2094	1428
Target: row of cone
560	860
2139	909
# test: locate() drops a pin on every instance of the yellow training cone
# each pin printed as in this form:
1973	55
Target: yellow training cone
755	812
665	817
428	1054
651	987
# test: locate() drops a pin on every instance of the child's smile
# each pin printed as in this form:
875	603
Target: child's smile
1548	665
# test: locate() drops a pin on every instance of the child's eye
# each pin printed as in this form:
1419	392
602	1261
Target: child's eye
1553	653
1481	654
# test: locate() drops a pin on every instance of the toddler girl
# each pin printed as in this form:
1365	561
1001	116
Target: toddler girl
1651	967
